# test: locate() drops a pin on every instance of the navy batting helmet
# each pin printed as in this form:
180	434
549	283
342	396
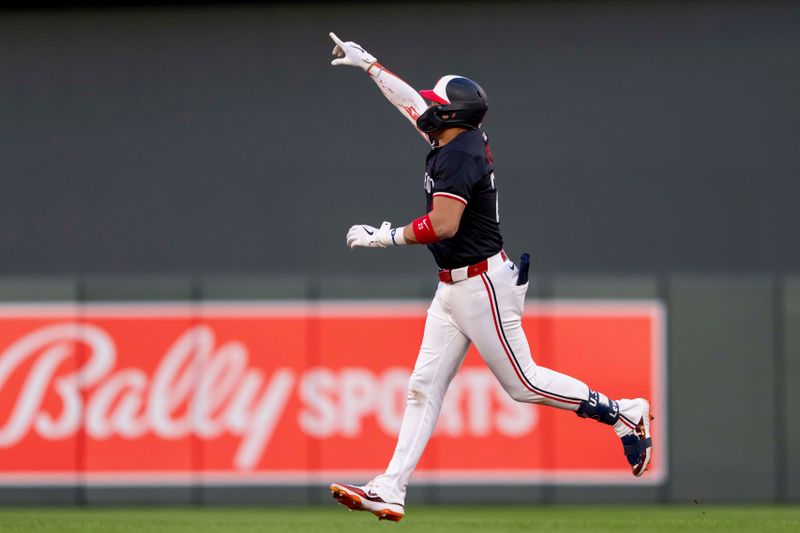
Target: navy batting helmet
460	102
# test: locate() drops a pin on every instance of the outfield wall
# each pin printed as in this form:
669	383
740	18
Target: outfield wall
733	345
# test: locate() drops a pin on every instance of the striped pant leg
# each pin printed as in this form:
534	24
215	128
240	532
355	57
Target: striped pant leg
489	311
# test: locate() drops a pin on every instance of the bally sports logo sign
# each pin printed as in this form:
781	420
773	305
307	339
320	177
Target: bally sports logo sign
285	392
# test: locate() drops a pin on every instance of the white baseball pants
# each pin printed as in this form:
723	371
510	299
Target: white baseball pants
485	310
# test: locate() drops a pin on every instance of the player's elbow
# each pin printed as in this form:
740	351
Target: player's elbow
447	229
445	221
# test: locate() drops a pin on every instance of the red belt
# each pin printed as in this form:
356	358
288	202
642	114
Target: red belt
446	276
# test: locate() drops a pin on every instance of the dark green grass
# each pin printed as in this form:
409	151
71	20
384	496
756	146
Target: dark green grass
419	519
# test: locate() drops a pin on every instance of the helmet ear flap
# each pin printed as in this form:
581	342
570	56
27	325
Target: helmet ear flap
430	121
456	115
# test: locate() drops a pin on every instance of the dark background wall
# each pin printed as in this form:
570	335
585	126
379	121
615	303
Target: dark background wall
628	136
642	150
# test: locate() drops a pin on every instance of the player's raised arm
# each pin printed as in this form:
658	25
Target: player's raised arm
403	96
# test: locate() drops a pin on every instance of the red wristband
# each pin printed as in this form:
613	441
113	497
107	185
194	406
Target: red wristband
423	230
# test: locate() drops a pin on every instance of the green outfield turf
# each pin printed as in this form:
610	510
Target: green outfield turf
582	519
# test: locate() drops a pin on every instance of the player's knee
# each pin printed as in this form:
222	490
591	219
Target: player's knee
520	395
520	392
414	395
416	386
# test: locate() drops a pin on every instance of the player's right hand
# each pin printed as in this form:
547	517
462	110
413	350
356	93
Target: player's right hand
351	54
369	237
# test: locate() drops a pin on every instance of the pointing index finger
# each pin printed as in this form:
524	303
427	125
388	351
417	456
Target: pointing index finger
336	39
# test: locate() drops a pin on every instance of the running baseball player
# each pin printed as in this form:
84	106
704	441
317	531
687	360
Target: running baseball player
481	293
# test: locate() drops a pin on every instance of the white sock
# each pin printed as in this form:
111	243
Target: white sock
630	411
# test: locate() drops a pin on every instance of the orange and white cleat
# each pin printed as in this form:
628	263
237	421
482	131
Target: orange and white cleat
366	499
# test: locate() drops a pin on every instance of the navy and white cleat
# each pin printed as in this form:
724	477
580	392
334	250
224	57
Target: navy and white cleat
365	499
638	445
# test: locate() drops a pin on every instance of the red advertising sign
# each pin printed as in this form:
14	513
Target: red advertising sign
296	392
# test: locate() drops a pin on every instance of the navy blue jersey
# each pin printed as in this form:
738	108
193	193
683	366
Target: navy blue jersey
464	171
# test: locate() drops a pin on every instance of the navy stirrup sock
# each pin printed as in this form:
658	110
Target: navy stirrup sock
607	413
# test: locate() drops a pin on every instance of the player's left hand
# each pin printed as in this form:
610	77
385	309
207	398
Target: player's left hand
369	237
351	54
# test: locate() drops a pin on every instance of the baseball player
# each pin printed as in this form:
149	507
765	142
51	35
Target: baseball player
481	293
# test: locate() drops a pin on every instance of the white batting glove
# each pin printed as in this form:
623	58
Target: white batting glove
350	54
369	237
